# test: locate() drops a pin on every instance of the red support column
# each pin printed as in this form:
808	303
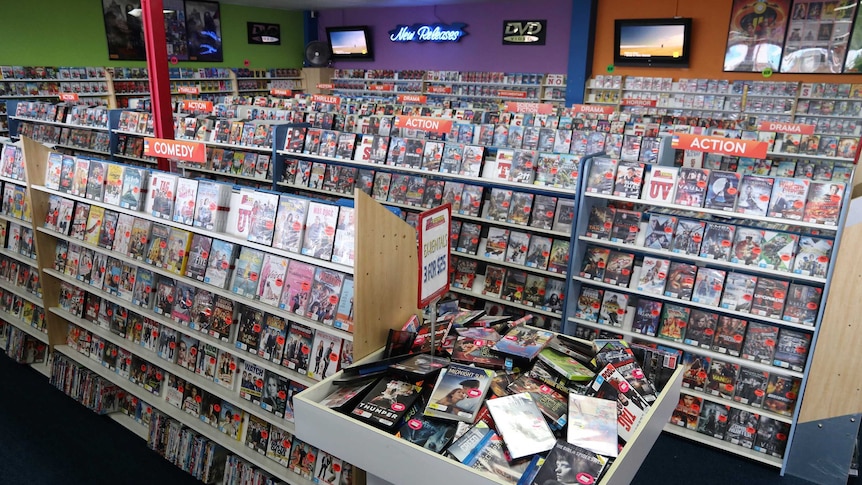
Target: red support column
157	66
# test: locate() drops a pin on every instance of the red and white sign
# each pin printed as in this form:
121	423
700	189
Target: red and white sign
412	98
508	93
593	109
196	106
780	127
380	87
638	102
434	125
535	108
716	144
322	98
188	90
555	80
440	89
68	96
434	229
284	93
175	149
325	86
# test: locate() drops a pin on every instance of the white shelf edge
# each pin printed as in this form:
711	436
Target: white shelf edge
58	123
526	308
722	445
737	405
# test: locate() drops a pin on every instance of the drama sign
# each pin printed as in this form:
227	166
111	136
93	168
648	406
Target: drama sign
524	32
428	32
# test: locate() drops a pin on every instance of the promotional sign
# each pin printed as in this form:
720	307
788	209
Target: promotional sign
524	32
434	253
440	89
508	93
284	93
175	149
412	98
380	87
428	32
638	102
188	90
322	98
593	109
68	96
558	80
434	125
192	105
265	34
535	108
716	144
779	127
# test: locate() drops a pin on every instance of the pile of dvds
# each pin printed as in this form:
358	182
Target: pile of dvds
555	398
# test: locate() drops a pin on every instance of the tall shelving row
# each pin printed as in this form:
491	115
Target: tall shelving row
380	248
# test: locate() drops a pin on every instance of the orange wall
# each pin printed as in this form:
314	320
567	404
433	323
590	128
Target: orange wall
711	19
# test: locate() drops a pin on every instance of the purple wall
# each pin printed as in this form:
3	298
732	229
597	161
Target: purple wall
481	50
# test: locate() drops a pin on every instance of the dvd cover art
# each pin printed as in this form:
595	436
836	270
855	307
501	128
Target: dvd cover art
803	304
493	285
791	351
691	187
760	340
729	335
539	252
722	191
812	258
754	195
722	378
750	386
320	230
589	303
781	394
602	175
687	411
713	419
717	241
618	270
788	198
688	237
680	280
741	427
653	276
708	286
738	292
595	262
628	180
647	317
601	222
747	246
701	329
659	232
613	309
559	258
674	319
262	220
769	297
823	203
626	226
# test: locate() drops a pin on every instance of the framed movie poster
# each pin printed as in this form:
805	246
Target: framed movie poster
756	35
817	36
175	29
203	28
124	30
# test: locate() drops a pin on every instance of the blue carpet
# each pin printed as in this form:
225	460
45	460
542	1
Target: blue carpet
48	438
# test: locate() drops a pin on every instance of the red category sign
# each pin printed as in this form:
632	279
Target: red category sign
285	93
188	90
412	98
434	125
322	98
593	109
175	149
440	89
380	87
535	108
193	105
715	144
325	86
638	102
780	127
508	93
68	96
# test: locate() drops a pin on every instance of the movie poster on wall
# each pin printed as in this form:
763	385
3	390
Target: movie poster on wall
756	35
203	27
817	36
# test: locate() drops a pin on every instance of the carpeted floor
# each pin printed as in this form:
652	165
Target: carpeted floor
47	438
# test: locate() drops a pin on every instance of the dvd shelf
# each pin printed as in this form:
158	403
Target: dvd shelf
90	310
733	280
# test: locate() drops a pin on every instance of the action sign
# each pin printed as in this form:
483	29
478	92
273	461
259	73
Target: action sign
192	105
68	96
715	144
434	253
433	125
175	149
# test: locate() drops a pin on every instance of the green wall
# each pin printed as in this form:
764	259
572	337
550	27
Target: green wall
72	33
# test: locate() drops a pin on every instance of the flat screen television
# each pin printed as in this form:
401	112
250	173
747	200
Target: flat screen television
652	42
350	42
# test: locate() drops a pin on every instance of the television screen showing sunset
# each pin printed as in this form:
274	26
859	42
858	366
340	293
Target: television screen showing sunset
652	41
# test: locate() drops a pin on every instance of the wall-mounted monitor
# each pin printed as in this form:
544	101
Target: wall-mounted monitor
350	42
652	42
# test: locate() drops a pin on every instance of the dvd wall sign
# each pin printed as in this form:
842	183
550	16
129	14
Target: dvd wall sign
428	32
524	32
261	33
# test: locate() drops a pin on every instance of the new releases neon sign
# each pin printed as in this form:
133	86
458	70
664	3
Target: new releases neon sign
428	33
